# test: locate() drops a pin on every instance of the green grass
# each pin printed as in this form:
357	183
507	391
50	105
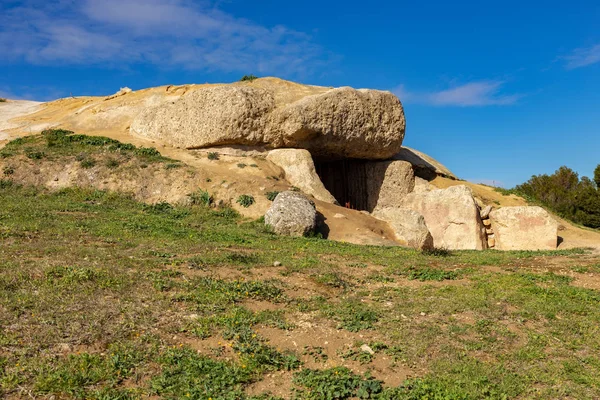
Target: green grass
103	297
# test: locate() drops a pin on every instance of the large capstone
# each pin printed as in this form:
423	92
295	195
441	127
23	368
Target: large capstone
340	123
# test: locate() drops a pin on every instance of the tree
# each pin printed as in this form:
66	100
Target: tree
564	193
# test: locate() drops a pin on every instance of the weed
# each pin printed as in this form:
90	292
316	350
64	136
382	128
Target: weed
88	163
34	155
201	197
241	165
253	165
335	383
431	274
8	170
438	252
272	195
173	165
213	155
316	352
245	200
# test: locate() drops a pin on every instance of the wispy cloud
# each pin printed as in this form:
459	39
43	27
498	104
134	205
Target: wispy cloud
477	93
178	33
582	57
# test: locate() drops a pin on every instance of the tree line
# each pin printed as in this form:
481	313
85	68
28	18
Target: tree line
571	197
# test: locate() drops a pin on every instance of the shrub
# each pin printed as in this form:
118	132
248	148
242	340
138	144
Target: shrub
271	195
112	163
241	165
2	100
88	163
34	155
249	78
8	170
201	197
245	200
213	155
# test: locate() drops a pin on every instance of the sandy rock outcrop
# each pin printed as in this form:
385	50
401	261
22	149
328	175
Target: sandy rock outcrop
524	228
292	214
408	226
389	182
342	122
452	217
300	171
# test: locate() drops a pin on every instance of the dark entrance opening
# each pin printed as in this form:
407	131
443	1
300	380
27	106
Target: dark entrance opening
346	180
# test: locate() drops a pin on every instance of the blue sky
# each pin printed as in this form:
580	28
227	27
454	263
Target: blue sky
497	91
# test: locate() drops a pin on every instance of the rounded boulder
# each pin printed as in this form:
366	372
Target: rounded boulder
292	214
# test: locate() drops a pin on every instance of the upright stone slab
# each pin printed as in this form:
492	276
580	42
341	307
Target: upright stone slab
524	228
452	217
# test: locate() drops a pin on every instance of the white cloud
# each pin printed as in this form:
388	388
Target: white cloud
165	32
477	93
583	57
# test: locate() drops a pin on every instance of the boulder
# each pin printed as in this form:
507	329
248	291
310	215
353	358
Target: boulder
452	217
292	214
524	228
342	122
300	171
388	183
408	226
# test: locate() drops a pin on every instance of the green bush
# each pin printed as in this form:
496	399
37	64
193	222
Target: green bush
213	155
2	100
249	78
245	200
8	170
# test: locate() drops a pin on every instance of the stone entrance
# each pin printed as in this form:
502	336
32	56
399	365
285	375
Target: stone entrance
346	180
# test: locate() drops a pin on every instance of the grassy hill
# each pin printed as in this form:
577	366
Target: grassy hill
103	297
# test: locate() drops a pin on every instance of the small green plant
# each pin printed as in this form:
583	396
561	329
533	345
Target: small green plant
272	195
437	252
250	78
254	165
213	155
245	200
242	165
8	170
172	166
316	352
88	163
431	274
34	155
201	198
112	163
